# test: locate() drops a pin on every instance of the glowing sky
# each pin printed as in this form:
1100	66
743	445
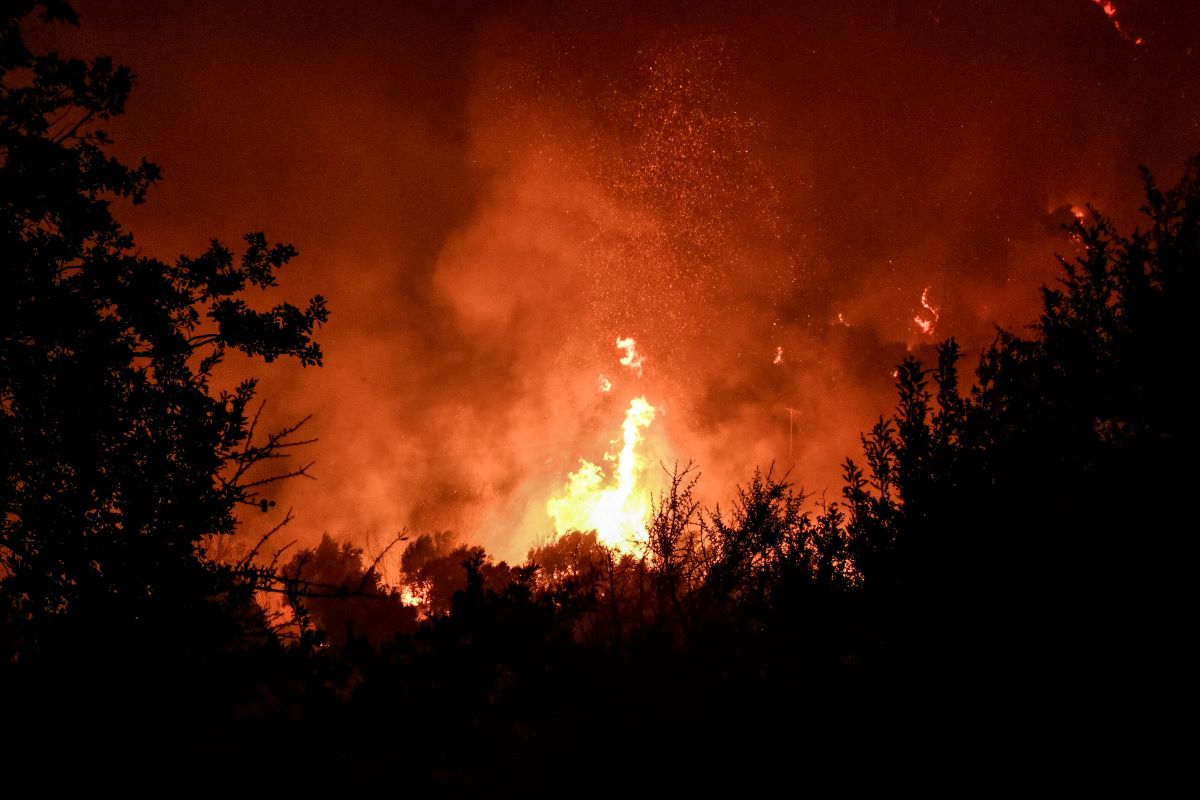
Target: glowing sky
490	194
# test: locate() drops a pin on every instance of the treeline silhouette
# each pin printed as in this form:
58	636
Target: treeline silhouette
1003	596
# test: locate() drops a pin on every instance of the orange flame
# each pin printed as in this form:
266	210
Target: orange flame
926	324
617	512
778	355
632	358
605	384
414	595
1110	11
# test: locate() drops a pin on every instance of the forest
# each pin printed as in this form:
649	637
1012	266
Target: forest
999	599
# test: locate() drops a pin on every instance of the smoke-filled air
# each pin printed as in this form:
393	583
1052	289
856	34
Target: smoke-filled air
772	204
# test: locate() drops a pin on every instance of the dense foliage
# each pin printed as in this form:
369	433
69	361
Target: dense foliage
118	460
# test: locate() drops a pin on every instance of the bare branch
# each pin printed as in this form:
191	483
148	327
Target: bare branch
402	536
298	473
287	518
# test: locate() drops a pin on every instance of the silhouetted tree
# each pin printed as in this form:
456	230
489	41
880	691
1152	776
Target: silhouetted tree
1023	546
330	586
118	458
675	544
433	567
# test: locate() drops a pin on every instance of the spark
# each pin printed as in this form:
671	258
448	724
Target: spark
842	320
778	356
605	383
927	323
792	412
632	358
1079	215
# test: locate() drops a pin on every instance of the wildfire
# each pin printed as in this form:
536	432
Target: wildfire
617	512
778	356
632	358
926	323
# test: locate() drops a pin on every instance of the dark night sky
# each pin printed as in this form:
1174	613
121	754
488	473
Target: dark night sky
490	194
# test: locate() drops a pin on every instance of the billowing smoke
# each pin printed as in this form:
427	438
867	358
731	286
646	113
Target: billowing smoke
769	200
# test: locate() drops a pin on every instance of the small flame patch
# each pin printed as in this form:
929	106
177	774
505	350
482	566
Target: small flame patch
632	358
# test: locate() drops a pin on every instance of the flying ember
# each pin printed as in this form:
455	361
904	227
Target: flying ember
632	358
617	512
926	323
1110	11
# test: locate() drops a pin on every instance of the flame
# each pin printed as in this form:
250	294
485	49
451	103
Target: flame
778	356
618	512
842	320
414	595
926	324
632	358
1110	11
605	384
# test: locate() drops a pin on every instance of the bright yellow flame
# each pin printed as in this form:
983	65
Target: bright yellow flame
414	595
618	512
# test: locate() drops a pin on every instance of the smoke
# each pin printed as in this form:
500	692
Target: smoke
491	196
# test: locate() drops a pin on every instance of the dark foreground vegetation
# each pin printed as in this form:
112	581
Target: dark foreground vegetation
1003	596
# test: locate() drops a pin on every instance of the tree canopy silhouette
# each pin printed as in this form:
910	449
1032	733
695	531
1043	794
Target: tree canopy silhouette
118	455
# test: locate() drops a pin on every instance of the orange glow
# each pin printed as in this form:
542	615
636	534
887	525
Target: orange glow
778	355
524	188
617	512
632	358
927	323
